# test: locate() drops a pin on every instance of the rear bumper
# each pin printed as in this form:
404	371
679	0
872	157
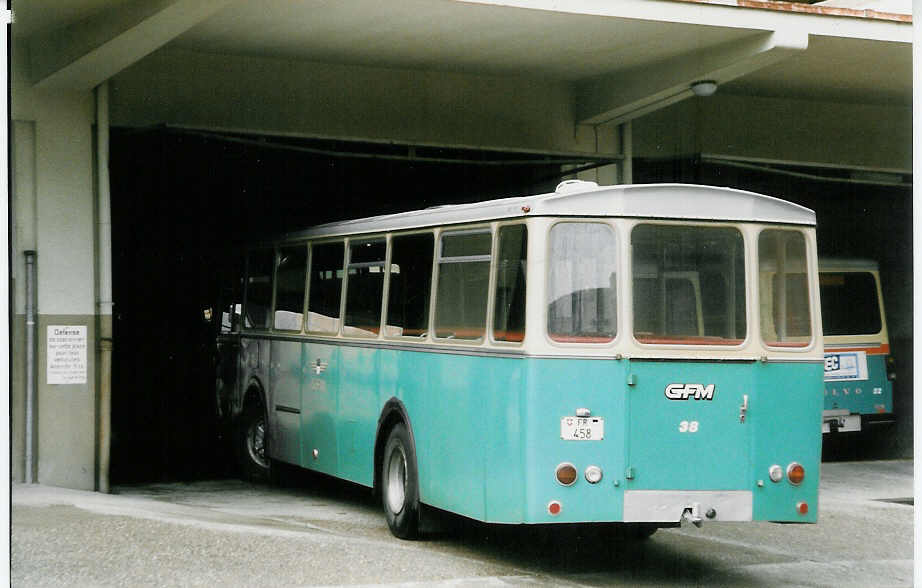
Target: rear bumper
668	506
840	421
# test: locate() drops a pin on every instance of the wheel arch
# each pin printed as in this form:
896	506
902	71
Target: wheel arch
254	393
394	412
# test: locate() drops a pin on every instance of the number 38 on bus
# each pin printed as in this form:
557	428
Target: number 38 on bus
629	354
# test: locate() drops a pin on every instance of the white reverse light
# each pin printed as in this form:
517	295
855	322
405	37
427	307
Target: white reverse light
593	474
775	473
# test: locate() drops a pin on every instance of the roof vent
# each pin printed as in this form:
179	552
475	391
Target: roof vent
570	186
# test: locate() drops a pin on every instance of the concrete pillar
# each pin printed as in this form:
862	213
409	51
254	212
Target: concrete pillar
53	213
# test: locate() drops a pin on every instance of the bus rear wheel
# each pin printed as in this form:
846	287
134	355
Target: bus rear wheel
251	444
400	484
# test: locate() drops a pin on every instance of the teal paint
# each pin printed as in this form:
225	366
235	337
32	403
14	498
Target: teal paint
858	396
488	434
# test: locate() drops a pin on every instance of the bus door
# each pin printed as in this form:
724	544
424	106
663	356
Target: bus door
285	401
687	425
318	417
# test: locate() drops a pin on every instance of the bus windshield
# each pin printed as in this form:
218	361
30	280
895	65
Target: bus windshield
689	285
849	303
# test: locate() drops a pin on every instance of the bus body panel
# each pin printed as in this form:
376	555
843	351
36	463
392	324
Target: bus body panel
685	426
652	469
867	396
557	388
320	399
781	436
478	458
285	390
361	388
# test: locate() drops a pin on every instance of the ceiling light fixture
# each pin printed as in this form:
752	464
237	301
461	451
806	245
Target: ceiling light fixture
704	87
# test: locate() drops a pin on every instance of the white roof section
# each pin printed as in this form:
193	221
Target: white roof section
586	199
831	264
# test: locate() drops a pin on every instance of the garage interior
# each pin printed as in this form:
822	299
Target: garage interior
185	203
178	233
233	120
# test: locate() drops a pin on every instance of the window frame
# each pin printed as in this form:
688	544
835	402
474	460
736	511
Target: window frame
613	224
878	299
344	293
270	310
433	270
307	295
451	230
307	269
748	296
494	281
810	268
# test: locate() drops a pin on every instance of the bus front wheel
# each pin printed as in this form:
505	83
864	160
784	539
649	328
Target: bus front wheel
400	484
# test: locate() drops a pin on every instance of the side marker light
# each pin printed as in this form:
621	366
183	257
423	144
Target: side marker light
554	508
802	508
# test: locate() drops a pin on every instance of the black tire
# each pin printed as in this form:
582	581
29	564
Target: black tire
400	484
252	444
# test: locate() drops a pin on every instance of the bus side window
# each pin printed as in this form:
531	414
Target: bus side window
326	287
230	299
289	288
260	264
365	287
410	287
509	304
464	277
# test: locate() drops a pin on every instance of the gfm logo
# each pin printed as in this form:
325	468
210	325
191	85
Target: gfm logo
686	391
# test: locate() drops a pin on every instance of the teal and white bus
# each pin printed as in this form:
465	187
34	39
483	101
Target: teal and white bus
859	368
640	354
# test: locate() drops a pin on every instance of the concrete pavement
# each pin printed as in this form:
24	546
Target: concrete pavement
320	532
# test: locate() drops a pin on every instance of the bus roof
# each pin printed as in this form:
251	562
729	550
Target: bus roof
830	264
579	198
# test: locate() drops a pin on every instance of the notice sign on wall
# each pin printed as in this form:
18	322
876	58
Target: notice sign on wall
66	354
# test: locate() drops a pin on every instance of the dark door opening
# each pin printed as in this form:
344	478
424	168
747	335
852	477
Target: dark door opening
184	203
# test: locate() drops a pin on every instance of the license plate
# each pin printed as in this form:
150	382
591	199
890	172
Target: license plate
582	428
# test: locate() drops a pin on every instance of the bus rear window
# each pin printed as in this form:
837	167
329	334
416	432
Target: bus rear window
689	285
784	301
464	276
849	303
581	290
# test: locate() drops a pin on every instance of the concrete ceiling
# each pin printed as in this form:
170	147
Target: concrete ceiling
594	50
